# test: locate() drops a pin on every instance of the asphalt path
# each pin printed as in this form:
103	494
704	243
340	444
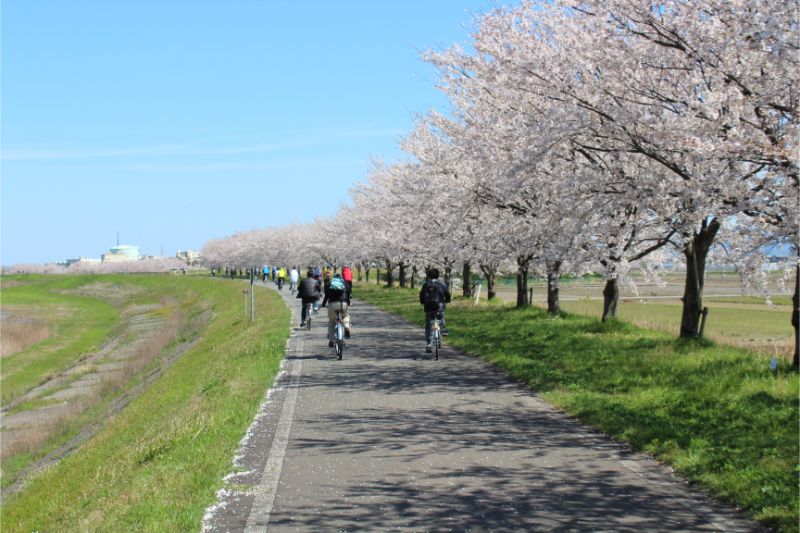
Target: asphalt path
390	440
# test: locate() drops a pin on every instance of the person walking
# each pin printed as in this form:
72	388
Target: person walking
294	278
309	293
337	293
281	278
434	296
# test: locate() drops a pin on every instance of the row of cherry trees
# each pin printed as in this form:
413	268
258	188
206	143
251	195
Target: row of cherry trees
592	135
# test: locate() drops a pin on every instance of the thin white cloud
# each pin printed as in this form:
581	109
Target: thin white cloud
293	164
25	154
182	150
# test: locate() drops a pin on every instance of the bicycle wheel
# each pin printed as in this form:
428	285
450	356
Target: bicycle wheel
339	339
339	348
437	341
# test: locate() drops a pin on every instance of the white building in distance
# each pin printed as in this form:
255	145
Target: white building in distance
120	253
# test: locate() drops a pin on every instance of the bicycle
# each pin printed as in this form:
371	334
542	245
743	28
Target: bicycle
338	336
436	335
309	307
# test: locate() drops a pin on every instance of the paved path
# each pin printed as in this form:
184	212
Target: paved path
390	440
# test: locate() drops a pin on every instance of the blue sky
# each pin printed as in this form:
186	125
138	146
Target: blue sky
174	122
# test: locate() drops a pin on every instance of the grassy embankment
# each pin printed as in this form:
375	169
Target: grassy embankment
78	325
157	464
717	414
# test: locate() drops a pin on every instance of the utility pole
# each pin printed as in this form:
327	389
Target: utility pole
252	295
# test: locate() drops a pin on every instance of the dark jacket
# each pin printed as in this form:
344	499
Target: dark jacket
308	290
444	292
334	296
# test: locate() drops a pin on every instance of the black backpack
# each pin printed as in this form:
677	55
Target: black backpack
432	296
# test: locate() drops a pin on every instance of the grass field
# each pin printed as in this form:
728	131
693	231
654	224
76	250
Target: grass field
158	463
717	414
738	322
736	319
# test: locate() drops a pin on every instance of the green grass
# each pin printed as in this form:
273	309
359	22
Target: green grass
740	322
717	414
157	465
81	325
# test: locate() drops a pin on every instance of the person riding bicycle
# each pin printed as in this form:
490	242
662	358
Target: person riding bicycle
264	273
347	275
318	277
309	292
281	277
294	278
338	294
434	295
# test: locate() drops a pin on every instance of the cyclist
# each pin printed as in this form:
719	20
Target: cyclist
264	273
434	295
318	277
347	275
294	277
281	278
338	294
308	292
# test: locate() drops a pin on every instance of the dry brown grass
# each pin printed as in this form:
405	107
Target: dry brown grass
32	438
16	334
144	353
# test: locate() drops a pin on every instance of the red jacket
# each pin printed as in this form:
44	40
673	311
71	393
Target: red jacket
347	274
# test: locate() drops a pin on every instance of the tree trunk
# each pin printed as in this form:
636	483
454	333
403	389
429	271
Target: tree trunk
466	280
413	276
522	281
389	277
366	274
402	274
610	298
695	253
448	270
796	317
553	274
488	272
358	269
